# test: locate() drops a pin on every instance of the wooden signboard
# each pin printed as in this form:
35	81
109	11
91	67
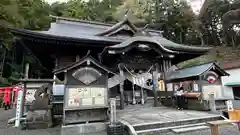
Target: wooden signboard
86	96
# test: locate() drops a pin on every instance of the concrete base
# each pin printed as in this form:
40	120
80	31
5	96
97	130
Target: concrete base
85	129
12	120
39	119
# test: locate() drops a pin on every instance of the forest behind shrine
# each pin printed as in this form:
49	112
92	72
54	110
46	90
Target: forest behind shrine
175	19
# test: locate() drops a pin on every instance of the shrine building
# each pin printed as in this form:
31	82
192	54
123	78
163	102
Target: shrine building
121	59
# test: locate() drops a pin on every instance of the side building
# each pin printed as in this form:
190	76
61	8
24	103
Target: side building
231	83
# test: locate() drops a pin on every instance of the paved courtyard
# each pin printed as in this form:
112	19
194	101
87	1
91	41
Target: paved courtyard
140	115
5	115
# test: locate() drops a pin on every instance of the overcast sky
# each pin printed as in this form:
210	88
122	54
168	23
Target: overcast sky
196	4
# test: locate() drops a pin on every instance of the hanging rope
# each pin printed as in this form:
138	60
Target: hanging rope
137	75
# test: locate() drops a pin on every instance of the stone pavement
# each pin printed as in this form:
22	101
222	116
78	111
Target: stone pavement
4	130
5	115
135	116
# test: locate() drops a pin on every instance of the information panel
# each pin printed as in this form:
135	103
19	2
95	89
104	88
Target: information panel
87	96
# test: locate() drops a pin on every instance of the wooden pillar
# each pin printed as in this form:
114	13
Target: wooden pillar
214	130
133	87
56	63
26	71
54	76
3	61
121	88
167	66
65	98
142	96
155	86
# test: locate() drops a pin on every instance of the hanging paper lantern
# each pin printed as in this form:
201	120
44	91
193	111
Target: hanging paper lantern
211	77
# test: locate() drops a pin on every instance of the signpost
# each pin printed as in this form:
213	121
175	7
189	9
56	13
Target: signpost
18	110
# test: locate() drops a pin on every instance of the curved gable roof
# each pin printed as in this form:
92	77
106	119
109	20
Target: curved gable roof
160	42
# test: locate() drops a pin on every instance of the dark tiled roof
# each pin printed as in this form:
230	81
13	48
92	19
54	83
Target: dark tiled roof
85	31
163	43
193	71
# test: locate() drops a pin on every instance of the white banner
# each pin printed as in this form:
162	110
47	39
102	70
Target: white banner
19	109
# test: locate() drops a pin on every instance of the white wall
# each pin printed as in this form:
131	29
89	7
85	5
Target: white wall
234	77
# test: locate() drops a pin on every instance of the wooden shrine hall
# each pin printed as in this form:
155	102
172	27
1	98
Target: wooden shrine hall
90	52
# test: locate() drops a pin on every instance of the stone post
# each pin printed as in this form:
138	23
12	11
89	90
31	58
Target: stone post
113	116
212	103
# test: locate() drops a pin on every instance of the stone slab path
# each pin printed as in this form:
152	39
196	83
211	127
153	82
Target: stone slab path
140	115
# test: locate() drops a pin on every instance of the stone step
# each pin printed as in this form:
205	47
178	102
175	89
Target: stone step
88	129
98	133
167	129
189	129
159	125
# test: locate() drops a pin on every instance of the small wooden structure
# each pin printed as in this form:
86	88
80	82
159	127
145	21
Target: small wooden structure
199	83
36	102
86	93
215	124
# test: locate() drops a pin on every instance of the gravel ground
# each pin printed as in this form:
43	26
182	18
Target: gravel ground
4	130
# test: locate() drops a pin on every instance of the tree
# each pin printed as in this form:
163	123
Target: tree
88	10
175	20
9	17
139	11
30	14
35	13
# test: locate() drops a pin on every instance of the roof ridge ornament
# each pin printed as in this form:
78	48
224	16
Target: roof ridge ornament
126	13
142	32
119	26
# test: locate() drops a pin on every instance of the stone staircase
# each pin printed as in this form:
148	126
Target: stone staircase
85	129
177	127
